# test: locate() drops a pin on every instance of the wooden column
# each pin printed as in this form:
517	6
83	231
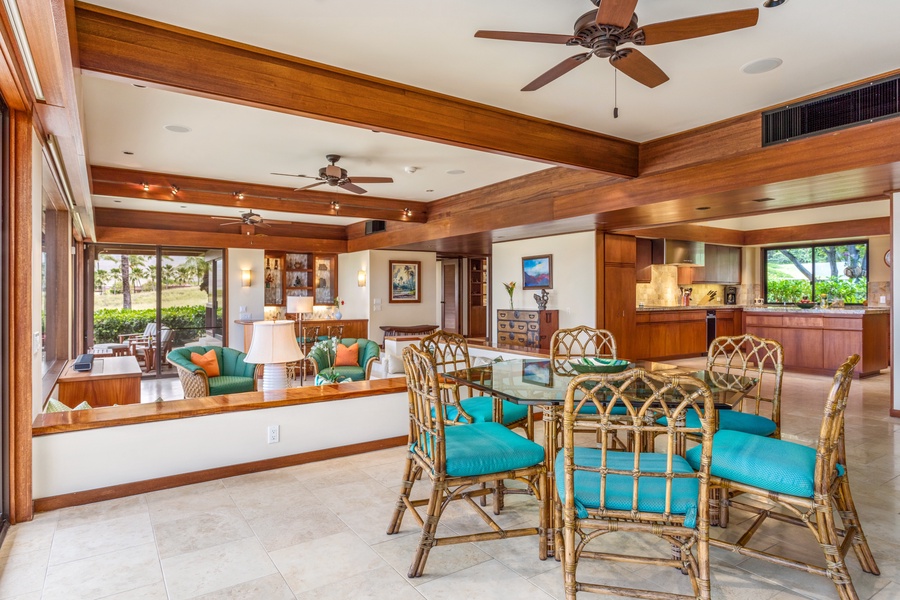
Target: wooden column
19	302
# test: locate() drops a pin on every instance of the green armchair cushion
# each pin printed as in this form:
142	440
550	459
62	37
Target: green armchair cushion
369	352
235	374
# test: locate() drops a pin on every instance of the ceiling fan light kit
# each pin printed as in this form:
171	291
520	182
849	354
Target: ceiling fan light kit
602	31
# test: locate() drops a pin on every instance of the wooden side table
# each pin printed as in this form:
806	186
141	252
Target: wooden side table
112	380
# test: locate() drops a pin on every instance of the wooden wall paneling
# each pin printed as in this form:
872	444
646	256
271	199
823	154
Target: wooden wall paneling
19	302
124	45
57	233
600	276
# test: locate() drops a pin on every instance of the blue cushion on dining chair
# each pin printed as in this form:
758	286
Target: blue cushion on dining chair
768	463
481	409
482	448
619	488
735	420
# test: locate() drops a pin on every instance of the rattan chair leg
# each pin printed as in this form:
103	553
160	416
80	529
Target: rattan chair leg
410	474
850	519
429	529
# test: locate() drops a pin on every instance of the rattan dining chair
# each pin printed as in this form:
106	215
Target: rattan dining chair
459	461
809	487
655	495
309	335
757	411
579	342
335	331
451	353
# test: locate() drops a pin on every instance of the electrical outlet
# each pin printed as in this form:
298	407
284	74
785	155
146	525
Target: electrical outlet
273	435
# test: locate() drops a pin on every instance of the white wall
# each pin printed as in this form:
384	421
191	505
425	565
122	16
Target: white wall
253	297
574	277
405	313
356	298
96	458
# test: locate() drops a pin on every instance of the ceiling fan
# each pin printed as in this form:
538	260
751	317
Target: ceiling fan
614	23
335	176
249	221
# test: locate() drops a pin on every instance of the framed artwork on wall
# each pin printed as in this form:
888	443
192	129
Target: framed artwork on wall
405	283
537	272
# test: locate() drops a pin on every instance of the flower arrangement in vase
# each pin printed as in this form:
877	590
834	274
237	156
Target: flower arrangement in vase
510	288
338	303
328	347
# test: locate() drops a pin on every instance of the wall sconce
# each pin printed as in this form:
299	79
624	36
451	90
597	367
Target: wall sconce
361	278
245	277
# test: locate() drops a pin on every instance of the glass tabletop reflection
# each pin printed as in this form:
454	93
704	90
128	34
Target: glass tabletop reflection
533	381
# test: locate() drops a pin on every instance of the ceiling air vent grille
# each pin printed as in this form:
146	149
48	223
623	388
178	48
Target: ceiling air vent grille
863	104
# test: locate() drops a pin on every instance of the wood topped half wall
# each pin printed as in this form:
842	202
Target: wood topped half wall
128	46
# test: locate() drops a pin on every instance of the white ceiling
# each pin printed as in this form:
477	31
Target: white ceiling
823	43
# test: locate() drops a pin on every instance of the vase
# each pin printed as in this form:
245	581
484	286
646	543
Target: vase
510	302
337	314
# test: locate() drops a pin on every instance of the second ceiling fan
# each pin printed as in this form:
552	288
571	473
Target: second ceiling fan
335	176
614	23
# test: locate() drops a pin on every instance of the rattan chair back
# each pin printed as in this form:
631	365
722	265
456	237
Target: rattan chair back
335	331
632	404
751	356
579	342
426	412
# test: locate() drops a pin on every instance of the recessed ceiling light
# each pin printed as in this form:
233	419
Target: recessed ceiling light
126	152
763	65
429	191
702	208
455	172
178	128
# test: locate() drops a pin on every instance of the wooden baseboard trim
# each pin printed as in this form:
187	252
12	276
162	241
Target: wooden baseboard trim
895	412
171	481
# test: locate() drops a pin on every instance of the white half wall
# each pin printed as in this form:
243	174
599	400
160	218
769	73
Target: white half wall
252	297
356	298
97	458
574	277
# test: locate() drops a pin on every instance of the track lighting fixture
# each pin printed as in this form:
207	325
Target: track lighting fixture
238	195
407	212
146	187
175	190
335	205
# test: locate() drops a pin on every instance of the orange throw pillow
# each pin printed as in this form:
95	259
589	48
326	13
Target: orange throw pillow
207	362
347	357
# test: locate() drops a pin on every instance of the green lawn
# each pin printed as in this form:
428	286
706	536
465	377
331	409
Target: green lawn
186	296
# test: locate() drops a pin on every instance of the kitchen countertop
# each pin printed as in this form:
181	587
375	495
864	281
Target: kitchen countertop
852	310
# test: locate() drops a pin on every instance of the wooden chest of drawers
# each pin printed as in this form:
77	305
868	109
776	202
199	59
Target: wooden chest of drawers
527	328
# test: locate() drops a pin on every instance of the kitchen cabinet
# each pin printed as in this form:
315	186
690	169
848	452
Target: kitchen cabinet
722	265
729	322
619	291
274	279
300	274
643	260
820	341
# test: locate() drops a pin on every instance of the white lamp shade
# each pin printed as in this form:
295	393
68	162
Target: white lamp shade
299	304
273	342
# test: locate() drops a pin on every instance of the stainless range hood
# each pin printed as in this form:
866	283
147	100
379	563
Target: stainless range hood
679	253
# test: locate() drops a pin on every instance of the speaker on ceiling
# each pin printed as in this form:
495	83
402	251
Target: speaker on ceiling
374	227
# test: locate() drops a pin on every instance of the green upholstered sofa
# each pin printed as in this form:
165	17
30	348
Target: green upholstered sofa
321	362
235	375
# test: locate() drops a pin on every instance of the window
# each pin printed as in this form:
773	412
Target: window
838	271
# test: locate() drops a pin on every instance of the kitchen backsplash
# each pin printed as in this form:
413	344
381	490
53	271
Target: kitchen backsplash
663	289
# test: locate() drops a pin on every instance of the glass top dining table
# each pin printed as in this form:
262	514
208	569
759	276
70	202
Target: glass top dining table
533	381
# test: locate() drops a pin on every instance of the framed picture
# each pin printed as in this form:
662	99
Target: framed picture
405	283
537	373
537	272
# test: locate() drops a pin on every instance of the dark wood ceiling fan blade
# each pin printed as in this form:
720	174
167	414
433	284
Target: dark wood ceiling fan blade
694	27
372	179
557	71
521	36
229	223
639	67
312	185
616	12
352	188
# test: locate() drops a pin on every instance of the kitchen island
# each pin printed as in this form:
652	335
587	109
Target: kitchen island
818	340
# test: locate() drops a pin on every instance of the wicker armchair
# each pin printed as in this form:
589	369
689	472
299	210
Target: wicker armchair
321	360
809	487
235	375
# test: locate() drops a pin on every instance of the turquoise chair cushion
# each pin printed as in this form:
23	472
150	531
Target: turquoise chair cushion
482	448
735	420
775	465
229	384
481	409
619	488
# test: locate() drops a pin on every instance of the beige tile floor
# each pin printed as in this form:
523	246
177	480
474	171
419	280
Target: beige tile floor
316	531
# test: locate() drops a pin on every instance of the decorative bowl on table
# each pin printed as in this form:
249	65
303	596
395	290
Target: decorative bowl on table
806	304
599	365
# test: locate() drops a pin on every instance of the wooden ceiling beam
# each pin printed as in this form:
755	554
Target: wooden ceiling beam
127	183
199	239
819	231
128	46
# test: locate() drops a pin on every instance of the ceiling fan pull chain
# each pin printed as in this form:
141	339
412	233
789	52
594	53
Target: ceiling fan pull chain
615	93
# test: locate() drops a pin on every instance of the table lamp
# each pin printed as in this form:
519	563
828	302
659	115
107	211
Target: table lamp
299	305
273	345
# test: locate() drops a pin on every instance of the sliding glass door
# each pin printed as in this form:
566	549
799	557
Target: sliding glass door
150	299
